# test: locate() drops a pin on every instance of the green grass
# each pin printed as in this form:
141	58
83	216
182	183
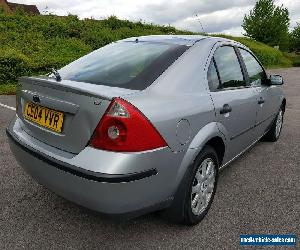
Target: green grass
8	89
294	58
32	45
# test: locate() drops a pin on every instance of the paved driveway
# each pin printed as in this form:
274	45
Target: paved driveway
258	193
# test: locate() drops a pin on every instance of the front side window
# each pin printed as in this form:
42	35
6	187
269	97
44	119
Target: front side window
256	73
132	65
229	68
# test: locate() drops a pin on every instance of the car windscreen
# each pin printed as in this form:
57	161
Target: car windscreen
131	65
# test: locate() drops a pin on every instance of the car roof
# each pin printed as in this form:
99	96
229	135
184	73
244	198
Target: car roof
187	40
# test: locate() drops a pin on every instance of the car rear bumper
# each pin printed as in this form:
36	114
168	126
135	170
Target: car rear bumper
85	174
125	195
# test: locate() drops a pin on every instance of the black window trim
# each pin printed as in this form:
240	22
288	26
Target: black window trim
242	65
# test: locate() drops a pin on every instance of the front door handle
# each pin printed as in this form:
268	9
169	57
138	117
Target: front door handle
226	109
261	100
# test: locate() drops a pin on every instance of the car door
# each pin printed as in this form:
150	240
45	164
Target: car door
266	94
235	103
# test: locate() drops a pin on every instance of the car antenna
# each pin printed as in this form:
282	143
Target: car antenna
198	19
55	72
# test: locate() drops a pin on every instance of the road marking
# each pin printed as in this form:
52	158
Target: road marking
8	107
294	110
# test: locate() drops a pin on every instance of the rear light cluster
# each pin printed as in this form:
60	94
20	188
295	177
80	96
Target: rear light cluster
124	128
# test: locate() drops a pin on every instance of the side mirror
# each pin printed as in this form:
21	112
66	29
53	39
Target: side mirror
276	80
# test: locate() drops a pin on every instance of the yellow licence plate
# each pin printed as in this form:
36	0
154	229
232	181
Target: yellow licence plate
44	117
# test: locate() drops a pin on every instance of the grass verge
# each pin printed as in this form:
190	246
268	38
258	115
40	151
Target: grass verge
8	89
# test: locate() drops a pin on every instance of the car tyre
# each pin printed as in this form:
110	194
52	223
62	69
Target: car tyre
276	128
196	191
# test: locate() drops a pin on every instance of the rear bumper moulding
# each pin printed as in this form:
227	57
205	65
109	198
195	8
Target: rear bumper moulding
86	174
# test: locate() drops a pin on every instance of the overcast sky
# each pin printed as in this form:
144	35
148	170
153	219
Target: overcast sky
216	16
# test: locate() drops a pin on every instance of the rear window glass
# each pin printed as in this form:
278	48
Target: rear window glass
132	65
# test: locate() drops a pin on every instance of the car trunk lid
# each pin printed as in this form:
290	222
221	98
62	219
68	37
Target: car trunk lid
82	105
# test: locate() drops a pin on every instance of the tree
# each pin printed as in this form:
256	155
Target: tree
268	23
296	37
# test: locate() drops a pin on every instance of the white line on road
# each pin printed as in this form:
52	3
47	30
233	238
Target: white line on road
8	107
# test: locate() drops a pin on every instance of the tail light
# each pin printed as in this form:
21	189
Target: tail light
124	128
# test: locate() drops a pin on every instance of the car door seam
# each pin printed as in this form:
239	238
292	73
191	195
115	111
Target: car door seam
252	127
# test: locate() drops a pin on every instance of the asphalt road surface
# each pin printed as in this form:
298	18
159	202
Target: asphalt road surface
257	194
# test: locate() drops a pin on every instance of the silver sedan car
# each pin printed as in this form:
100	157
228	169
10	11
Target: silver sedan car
145	123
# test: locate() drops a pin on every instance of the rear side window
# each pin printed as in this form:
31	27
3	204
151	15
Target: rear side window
229	68
256	73
212	77
132	65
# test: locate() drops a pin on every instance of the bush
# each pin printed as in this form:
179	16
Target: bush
295	58
296	62
13	64
295	37
56	53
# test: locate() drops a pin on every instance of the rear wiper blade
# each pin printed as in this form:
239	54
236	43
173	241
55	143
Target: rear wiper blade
56	74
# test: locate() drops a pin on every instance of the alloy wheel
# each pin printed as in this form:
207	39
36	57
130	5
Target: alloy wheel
279	122
203	186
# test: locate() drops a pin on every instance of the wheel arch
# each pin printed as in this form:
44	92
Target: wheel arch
218	145
208	135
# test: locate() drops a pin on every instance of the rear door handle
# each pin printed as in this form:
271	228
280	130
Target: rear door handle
226	109
261	100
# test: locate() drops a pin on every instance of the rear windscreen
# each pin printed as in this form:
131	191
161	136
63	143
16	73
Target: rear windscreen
132	65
